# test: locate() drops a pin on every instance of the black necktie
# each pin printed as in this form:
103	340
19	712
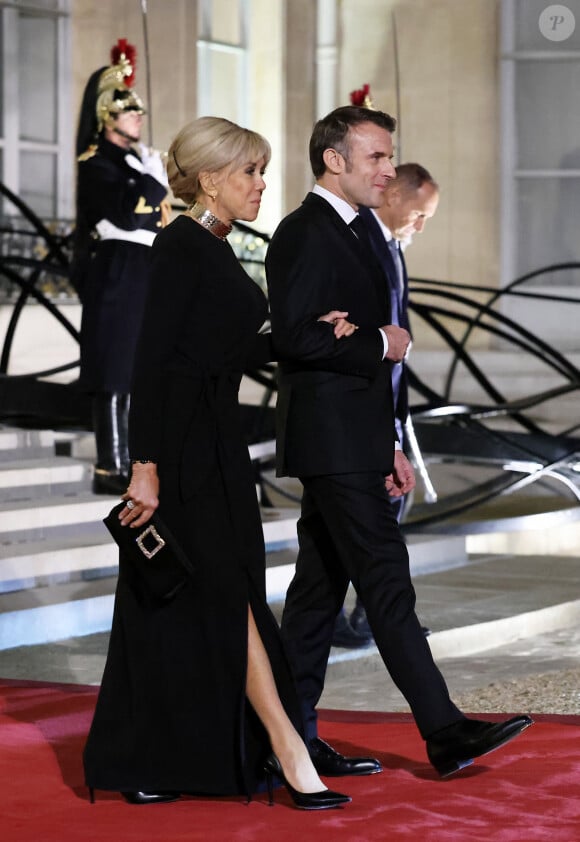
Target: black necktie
361	232
359	229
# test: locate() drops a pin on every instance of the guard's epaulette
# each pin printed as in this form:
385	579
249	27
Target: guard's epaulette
89	153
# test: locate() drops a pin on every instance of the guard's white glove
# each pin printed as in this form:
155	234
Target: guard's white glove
133	161
153	164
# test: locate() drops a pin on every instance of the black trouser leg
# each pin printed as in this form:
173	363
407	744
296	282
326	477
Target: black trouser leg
358	538
358	617
110	413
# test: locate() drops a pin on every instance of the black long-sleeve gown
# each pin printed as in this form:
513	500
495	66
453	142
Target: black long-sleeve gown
172	713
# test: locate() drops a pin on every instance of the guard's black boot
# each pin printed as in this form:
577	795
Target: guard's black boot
123	428
110	415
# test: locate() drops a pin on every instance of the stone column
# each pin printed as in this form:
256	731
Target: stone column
300	93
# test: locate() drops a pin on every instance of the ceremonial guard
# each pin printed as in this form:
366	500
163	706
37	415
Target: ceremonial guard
121	192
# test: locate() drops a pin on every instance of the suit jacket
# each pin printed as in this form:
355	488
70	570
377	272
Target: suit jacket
334	409
381	249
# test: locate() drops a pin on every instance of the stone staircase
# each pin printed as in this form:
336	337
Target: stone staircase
58	563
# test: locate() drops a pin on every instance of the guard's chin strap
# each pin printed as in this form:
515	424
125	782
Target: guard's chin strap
125	135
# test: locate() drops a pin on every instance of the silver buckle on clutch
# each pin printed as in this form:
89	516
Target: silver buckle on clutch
156	537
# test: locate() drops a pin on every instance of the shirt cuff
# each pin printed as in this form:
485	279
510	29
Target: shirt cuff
385	342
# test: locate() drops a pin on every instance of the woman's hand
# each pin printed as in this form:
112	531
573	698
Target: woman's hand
341	326
142	496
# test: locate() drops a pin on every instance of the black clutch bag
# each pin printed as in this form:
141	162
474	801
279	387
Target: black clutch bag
153	553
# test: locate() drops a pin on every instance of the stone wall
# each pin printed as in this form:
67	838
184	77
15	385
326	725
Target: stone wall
448	115
449	111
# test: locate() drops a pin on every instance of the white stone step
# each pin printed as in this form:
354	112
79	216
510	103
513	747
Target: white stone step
32	444
26	565
57	527
427	554
58	562
64	537
20	517
54	612
56	512
52	471
57	611
279	527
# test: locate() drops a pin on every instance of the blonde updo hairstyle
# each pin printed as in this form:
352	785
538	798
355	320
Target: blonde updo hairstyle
210	144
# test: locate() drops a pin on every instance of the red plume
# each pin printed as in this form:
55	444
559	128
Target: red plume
123	49
361	97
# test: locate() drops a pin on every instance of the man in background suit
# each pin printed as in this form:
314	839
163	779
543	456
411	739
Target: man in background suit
408	202
336	432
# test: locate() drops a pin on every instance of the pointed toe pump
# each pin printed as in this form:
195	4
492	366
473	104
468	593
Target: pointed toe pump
324	800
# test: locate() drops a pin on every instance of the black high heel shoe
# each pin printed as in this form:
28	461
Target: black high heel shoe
138	797
150	797
324	800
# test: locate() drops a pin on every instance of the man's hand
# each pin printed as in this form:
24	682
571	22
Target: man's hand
402	480
398	339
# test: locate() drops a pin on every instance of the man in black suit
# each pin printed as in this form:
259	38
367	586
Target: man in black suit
336	433
408	202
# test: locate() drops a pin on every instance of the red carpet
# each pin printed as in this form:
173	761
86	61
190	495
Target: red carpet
526	791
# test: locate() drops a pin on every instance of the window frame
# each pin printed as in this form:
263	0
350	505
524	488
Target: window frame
208	47
509	171
10	142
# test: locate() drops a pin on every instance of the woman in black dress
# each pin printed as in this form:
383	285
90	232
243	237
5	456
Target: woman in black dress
197	693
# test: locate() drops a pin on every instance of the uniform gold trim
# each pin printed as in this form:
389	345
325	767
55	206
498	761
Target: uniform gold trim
88	153
142	206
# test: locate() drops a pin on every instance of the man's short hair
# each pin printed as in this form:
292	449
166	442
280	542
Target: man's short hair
412	177
331	132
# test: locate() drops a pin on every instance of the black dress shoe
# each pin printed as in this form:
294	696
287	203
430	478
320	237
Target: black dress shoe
346	637
105	482
454	747
360	624
150	797
358	621
326	799
329	762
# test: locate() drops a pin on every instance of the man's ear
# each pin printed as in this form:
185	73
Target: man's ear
333	161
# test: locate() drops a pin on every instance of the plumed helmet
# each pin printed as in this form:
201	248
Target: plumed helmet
108	92
362	97
114	93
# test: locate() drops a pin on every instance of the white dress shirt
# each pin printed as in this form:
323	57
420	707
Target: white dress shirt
346	213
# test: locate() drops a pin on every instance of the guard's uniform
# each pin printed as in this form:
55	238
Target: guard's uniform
120	203
120	210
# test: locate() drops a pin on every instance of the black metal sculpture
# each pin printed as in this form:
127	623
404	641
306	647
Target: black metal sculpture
505	437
